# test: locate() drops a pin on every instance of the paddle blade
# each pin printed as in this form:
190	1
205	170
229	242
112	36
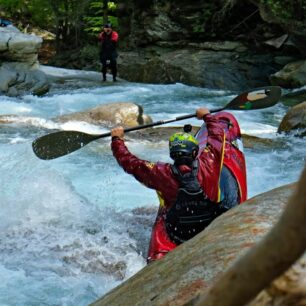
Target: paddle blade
256	98
60	143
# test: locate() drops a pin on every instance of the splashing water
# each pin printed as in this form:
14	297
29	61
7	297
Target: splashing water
75	227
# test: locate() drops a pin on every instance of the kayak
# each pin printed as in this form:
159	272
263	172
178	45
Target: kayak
233	160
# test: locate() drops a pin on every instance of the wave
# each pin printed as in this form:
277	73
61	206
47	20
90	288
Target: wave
52	125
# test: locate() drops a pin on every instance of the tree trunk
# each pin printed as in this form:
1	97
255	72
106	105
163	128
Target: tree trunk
105	11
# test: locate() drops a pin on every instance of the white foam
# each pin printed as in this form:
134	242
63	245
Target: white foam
49	124
64	73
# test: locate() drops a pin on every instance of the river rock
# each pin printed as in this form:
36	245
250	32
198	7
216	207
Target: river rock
19	69
222	69
17	46
169	41
21	78
293	98
195	265
126	114
292	23
294	119
291	76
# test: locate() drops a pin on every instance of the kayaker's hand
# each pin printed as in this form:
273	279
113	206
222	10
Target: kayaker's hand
201	112
118	132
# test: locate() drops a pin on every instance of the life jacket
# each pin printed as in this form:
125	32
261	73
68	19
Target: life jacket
192	211
109	44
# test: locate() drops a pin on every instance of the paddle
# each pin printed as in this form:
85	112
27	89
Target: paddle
62	143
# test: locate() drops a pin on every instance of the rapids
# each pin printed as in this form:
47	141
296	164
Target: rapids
74	227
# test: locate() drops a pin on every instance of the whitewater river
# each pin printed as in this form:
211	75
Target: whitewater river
74	227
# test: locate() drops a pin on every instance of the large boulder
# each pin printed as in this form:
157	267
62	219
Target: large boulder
289	16
19	69
223	65
21	78
172	42
195	265
294	119
291	76
19	47
126	114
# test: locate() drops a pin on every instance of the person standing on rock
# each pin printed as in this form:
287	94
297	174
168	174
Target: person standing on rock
108	53
198	187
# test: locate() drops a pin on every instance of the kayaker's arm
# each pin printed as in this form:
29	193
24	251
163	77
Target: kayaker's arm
129	162
143	170
212	157
216	134
215	131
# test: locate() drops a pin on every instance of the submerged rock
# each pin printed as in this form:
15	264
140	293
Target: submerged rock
294	98
163	134
291	76
127	114
294	119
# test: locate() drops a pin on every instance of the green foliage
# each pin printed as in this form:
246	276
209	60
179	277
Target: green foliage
41	13
203	23
94	18
89	52
287	9
10	5
73	21
35	12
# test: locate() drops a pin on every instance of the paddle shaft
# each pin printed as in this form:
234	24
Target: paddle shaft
160	122
64	142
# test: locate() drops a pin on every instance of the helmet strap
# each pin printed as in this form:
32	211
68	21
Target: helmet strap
184	160
194	153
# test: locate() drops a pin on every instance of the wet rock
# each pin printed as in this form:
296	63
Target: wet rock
291	76
294	98
126	114
170	39
20	78
293	23
294	119
259	143
19	69
17	46
195	265
222	69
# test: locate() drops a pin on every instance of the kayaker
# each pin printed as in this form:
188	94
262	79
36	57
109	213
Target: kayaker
108	52
195	189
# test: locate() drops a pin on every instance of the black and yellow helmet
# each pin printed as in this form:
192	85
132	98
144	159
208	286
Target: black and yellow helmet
183	145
